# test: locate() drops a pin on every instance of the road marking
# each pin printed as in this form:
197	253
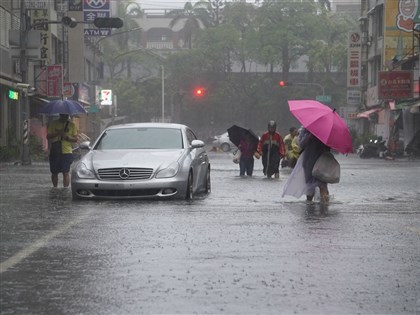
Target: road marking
21	255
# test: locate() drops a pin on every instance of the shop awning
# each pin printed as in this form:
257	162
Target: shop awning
415	108
40	99
405	104
369	112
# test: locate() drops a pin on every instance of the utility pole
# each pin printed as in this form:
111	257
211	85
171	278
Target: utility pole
163	93
24	103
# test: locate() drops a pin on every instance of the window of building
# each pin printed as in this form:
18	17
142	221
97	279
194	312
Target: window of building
378	21
375	68
5	23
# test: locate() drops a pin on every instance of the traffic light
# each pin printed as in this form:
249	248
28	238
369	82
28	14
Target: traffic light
282	83
69	21
199	92
108	22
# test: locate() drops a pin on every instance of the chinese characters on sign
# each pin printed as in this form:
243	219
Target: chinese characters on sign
37	17
354	60
95	9
54	80
75	5
395	85
36	4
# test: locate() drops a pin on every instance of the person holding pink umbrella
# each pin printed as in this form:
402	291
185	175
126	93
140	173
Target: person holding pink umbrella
301	181
323	129
312	150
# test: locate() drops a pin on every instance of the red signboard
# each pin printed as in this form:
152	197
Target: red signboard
54	80
68	89
395	85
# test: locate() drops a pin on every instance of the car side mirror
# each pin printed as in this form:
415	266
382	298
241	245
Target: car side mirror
85	145
197	144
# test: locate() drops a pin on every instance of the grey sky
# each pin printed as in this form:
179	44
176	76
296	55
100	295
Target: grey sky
162	4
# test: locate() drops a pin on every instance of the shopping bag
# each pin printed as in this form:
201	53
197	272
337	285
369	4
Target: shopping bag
327	168
236	156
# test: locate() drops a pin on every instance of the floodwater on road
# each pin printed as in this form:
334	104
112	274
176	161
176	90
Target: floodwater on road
241	249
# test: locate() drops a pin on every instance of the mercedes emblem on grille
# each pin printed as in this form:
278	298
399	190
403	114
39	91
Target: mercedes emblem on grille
124	173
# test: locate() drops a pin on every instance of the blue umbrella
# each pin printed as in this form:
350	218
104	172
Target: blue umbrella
63	107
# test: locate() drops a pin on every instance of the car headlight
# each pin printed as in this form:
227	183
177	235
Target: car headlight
170	171
85	172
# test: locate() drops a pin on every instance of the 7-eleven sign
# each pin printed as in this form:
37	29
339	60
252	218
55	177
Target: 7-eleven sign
106	97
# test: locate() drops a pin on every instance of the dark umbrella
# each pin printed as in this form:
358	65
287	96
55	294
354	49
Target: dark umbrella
69	107
236	134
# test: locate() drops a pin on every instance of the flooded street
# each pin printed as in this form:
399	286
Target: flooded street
240	250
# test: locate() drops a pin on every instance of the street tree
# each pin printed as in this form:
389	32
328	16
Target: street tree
194	17
328	50
285	28
130	12
241	16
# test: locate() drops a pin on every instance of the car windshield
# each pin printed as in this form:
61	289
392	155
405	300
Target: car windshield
140	138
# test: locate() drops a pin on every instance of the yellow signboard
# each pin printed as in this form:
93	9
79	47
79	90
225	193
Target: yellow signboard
400	17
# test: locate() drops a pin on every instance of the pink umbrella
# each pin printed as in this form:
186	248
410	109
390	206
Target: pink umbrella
324	123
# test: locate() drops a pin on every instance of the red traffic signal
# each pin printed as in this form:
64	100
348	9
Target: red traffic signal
282	83
199	92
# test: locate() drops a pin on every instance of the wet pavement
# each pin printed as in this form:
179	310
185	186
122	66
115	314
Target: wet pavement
241	250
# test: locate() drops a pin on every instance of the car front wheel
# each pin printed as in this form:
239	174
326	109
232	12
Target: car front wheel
189	194
208	182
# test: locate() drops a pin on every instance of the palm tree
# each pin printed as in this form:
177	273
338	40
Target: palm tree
326	4
129	11
194	17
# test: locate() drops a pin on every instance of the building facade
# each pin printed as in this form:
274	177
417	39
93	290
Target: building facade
390	70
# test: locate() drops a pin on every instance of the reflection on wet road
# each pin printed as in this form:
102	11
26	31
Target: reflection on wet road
242	249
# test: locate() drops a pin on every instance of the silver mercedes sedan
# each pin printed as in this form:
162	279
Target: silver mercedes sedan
142	160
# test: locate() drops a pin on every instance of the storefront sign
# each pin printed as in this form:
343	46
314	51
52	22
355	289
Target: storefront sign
68	89
354	97
106	97
75	5
36	4
13	95
37	17
93	9
395	85
54	80
354	60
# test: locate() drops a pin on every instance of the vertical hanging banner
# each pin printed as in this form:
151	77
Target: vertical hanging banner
54	80
354	60
37	17
93	9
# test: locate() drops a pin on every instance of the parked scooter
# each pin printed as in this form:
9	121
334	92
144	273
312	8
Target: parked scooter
375	148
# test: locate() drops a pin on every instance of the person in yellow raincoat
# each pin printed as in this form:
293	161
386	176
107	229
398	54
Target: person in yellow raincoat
292	148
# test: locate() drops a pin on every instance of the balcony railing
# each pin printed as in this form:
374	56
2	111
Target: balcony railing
160	45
